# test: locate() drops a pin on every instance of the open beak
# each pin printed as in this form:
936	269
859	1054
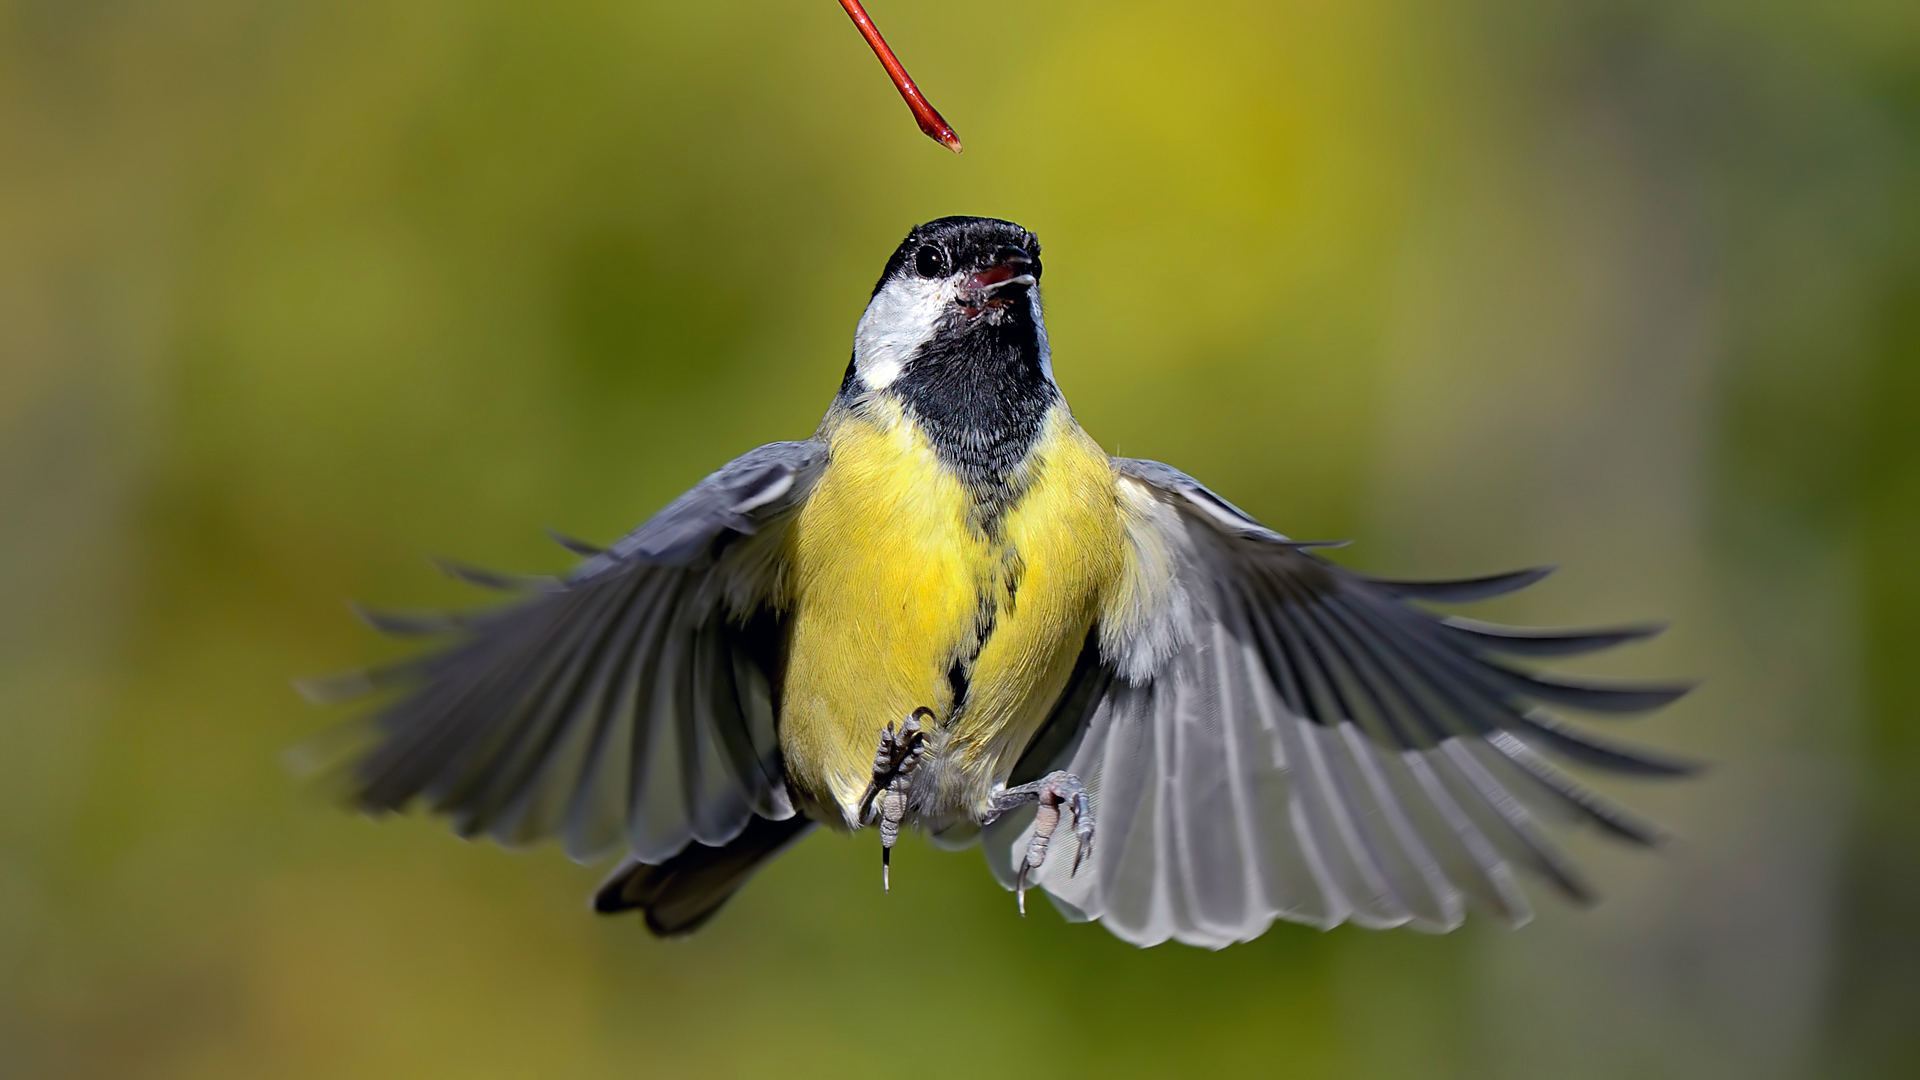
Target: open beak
1012	268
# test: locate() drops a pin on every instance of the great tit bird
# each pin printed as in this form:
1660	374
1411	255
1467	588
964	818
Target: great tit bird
950	609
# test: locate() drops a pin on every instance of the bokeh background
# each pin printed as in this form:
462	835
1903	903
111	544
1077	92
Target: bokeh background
296	293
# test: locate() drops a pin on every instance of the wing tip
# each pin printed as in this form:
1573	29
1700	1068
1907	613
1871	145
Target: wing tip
574	544
1550	641
1600	695
405	624
1674	766
494	580
1463	590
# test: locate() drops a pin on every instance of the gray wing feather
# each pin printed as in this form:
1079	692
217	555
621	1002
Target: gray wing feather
741	496
1320	750
626	703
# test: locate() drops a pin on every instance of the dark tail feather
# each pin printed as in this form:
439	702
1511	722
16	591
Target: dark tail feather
681	894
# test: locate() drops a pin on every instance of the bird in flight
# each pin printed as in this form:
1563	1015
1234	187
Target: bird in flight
951	610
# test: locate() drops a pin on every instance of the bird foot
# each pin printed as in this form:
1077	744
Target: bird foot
1053	792
899	754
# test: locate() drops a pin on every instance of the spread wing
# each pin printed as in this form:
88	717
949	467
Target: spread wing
628	702
1277	737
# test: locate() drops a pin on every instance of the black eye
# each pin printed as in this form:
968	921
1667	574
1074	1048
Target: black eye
930	261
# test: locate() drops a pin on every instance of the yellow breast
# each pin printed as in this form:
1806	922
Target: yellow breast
899	594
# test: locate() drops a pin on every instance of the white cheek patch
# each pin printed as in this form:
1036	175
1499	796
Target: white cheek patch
900	319
903	316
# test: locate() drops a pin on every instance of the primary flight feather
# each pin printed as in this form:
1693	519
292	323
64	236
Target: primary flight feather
949	609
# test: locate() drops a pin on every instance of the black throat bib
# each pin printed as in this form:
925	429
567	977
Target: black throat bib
978	391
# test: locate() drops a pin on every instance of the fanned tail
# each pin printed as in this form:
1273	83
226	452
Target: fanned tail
678	896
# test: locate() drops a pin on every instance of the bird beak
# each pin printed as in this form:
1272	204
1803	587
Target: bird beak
1013	268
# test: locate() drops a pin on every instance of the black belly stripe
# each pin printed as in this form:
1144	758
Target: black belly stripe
986	619
959	678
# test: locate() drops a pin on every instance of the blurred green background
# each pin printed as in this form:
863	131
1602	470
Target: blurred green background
295	293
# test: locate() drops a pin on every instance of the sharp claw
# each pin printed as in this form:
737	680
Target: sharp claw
1056	793
894	761
1082	830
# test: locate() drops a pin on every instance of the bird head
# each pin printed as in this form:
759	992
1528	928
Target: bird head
960	289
